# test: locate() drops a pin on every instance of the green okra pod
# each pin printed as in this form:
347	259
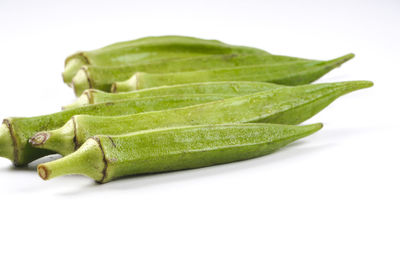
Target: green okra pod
15	132
285	105
105	158
93	96
102	77
79	59
288	73
147	49
160	39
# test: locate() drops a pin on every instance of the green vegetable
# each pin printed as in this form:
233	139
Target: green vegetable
146	49
289	73
107	157
286	105
93	96
159	39
102	77
15	132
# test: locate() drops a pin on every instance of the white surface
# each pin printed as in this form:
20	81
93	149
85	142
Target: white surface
331	199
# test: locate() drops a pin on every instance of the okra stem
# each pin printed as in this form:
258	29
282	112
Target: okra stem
89	161
15	132
105	158
72	67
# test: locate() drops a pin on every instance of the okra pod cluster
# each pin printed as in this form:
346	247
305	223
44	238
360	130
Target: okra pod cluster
283	105
168	103
15	132
102	77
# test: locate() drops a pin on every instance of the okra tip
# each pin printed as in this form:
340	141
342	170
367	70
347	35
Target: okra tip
340	60
364	84
314	127
308	129
351	86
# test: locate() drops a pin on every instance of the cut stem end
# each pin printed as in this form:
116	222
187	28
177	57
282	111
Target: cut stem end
39	139
43	172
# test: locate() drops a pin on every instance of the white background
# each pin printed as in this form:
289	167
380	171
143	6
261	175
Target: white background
331	199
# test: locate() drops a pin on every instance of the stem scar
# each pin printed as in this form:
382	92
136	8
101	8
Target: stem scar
14	140
75	139
104	172
112	141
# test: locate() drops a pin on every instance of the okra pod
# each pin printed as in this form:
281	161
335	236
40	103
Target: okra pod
157	39
132	52
93	96
79	59
286	105
105	158
15	132
289	73
102	77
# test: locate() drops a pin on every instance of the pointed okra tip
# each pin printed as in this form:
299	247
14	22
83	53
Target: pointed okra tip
347	57
312	128
306	130
350	86
365	84
340	60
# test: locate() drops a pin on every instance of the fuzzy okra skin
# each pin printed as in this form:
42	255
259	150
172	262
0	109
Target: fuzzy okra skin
148	49
159	39
93	96
74	62
102	77
288	73
105	158
15	132
286	105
